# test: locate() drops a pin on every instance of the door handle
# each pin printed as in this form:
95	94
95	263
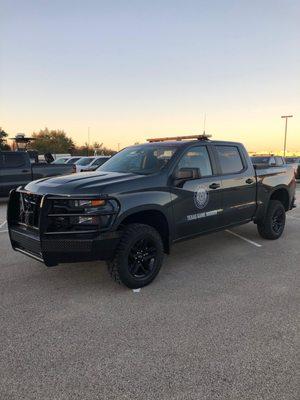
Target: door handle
214	186
249	181
25	170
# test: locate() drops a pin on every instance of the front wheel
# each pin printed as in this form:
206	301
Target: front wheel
273	224
138	257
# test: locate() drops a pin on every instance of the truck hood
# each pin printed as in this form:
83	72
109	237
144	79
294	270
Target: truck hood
81	183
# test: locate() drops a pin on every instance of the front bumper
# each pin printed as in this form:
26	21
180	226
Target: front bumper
56	247
55	251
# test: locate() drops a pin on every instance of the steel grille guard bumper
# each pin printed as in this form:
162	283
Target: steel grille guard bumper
53	248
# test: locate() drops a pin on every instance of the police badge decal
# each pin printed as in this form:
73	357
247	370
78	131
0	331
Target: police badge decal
201	197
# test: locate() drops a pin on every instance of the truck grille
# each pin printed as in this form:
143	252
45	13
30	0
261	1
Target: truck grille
51	215
29	209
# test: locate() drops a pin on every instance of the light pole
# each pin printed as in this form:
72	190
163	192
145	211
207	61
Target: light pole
285	131
88	143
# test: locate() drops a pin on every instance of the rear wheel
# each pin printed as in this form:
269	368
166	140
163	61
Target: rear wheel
273	224
138	257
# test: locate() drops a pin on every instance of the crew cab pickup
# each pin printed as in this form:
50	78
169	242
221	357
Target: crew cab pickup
270	160
16	169
295	163
143	200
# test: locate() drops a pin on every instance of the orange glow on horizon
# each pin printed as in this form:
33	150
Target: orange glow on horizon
256	135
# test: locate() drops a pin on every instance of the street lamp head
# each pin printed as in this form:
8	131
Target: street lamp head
286	116
22	141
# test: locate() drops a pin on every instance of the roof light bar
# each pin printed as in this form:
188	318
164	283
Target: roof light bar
179	138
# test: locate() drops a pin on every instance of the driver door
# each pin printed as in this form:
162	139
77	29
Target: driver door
196	202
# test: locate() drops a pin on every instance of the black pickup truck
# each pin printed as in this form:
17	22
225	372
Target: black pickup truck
16	169
144	199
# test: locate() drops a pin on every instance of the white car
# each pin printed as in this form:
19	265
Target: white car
90	163
99	160
84	163
60	160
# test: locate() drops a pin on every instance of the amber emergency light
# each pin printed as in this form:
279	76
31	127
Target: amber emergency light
179	138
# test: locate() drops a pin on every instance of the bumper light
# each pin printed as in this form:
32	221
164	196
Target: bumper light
87	220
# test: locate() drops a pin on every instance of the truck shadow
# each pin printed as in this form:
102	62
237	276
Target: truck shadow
202	255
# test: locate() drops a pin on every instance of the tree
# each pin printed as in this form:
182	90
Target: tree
3	136
107	151
101	150
53	141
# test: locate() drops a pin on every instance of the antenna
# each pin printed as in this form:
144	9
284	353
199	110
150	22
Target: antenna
204	123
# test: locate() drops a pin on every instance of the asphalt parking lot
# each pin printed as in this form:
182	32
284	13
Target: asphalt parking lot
220	322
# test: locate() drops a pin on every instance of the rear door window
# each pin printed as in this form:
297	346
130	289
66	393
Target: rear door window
230	159
13	160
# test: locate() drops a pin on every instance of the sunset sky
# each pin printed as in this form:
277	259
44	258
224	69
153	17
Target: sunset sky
130	70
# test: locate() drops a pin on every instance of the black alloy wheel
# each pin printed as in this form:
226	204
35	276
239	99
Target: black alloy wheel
138	257
278	220
273	224
142	258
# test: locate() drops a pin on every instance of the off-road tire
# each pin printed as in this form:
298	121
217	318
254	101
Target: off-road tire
265	227
118	267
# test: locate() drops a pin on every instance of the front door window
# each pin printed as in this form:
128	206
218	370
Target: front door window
197	201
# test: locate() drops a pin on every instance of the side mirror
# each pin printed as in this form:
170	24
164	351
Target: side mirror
186	174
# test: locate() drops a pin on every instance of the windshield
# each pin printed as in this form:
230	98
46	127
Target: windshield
85	161
142	160
60	161
72	160
99	161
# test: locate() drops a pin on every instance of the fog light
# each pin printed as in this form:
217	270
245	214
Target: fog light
86	220
89	220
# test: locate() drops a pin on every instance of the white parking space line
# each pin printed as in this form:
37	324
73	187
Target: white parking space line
2	224
243	238
294	218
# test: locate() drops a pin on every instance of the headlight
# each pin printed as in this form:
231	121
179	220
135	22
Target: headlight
90	206
82	214
90	203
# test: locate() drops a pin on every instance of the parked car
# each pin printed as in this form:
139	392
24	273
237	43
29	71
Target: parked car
295	163
17	168
61	160
144	199
73	160
83	163
98	161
